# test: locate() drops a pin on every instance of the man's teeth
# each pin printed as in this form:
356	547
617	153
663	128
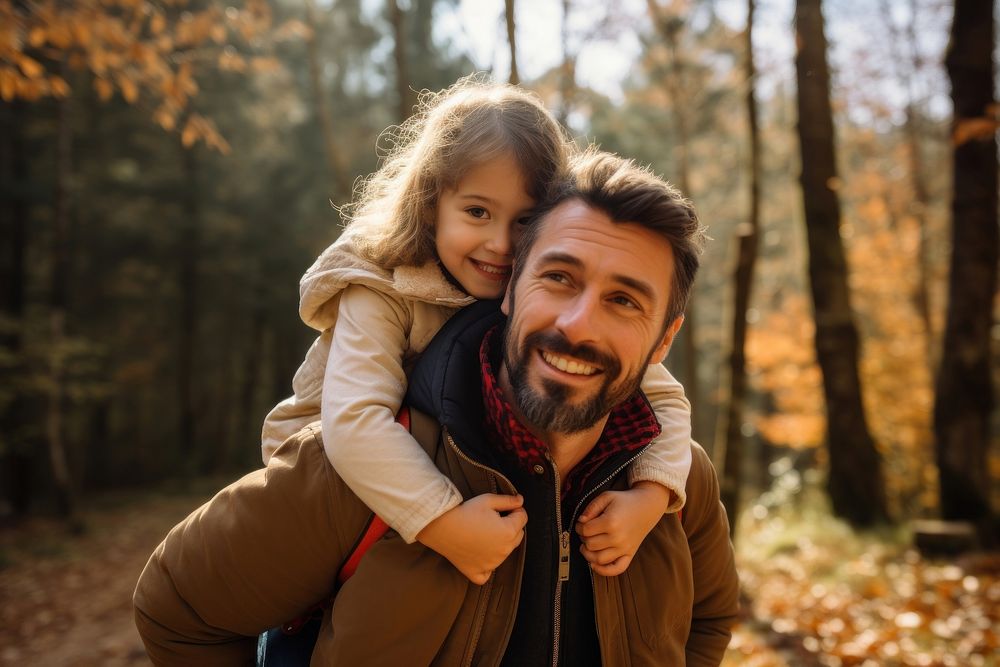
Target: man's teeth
567	365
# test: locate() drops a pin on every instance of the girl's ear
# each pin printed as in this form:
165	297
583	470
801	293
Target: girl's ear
663	347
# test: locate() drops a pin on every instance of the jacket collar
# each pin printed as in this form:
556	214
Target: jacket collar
340	265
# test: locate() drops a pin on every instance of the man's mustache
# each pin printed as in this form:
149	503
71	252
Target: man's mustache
555	342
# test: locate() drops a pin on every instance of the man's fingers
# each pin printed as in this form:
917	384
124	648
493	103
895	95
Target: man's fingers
517	518
503	502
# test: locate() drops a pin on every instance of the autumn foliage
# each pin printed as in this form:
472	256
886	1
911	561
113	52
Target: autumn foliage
147	52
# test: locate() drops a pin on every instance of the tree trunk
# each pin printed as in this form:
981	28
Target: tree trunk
964	393
855	481
674	82
18	455
730	438
58	302
188	248
403	91
334	158
514	79
567	71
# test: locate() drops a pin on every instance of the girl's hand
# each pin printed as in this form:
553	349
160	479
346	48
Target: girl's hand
475	536
616	522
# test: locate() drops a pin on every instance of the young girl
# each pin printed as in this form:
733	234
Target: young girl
431	231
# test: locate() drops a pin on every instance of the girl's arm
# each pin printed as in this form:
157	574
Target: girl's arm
615	523
363	389
667	460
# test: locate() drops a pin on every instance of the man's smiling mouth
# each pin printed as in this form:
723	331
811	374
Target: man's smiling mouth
570	366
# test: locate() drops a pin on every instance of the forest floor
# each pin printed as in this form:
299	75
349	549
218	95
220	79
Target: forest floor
814	592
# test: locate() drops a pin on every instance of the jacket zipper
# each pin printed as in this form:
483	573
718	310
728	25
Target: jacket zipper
593	580
477	623
563	563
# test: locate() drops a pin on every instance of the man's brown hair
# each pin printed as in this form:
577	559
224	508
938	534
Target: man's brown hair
629	193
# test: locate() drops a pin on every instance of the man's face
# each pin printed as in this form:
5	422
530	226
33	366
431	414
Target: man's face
586	317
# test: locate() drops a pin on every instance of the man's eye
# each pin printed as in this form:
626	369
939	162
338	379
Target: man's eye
624	301
556	277
477	212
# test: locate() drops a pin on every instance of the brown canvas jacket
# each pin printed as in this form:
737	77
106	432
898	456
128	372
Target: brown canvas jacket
225	574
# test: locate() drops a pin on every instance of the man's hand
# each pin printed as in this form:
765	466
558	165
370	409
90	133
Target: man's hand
616	522
475	536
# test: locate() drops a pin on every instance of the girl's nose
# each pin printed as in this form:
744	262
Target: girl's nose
499	241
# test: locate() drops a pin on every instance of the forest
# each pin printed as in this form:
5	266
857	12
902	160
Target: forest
170	168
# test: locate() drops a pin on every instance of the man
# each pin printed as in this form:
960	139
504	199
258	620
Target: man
544	403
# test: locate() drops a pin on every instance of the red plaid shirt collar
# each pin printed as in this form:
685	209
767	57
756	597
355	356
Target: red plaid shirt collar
631	425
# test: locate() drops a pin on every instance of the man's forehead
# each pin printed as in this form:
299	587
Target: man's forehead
576	222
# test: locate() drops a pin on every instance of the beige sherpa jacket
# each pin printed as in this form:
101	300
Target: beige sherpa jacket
383	319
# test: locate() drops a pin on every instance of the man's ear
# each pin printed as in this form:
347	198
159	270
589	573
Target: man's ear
663	347
505	304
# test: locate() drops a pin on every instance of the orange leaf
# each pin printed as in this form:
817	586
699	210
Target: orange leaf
81	30
129	90
59	86
165	119
8	84
974	129
104	89
37	36
157	23
190	134
31	68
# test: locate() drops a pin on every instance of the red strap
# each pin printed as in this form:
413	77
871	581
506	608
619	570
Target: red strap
376	529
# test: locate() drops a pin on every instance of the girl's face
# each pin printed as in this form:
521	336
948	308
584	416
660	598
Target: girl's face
478	223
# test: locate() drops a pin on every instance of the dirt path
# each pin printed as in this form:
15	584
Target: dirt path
67	600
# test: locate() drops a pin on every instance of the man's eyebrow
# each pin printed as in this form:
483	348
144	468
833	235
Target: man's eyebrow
644	288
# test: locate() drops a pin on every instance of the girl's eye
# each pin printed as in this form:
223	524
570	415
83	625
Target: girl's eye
477	212
523	222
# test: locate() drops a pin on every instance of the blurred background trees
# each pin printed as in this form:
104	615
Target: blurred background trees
169	170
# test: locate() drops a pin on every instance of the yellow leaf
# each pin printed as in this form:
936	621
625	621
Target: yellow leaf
218	34
31	68
59	86
37	36
104	89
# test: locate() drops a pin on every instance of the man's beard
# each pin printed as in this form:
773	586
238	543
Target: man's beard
549	409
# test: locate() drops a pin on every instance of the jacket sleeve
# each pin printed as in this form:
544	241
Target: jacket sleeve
260	553
667	460
716	583
301	408
363	389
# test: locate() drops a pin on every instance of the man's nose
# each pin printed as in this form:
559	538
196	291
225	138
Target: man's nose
578	320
